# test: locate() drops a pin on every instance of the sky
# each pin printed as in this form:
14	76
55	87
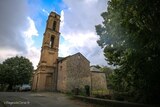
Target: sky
23	22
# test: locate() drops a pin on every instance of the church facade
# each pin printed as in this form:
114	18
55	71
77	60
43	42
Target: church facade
55	73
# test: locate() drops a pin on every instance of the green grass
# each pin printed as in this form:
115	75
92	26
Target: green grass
100	92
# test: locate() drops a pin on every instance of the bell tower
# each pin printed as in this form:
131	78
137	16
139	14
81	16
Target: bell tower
45	77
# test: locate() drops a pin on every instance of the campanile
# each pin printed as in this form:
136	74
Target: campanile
45	77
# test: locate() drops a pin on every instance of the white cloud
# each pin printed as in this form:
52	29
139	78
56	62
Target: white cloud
91	1
32	31
84	43
7	53
62	19
32	52
45	11
78	30
34	55
87	39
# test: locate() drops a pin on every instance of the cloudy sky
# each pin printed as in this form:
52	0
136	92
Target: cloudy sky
22	24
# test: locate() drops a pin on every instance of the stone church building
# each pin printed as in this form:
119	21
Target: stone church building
55	73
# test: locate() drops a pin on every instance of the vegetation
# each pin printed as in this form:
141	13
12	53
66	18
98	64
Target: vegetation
15	71
100	92
108	72
130	37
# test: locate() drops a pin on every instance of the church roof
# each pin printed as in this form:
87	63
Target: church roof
81	55
63	58
60	58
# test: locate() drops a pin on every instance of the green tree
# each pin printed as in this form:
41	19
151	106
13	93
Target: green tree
108	71
2	75
16	70
1	72
130	37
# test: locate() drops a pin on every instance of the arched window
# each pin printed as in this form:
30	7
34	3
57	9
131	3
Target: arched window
52	41
54	25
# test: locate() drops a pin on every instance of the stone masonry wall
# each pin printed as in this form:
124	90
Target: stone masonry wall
61	85
78	72
98	81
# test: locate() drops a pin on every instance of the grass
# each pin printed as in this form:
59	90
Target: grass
100	92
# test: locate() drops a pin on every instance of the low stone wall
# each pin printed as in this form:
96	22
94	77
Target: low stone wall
111	103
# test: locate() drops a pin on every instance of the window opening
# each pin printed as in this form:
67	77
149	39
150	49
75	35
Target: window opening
52	42
54	25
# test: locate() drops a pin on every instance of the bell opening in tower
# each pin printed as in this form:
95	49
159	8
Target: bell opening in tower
54	25
52	41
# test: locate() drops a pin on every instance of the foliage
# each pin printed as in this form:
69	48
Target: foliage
15	70
100	92
108	71
130	37
1	72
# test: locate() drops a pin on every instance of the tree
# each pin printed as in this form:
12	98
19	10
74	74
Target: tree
130	37
1	72
107	70
16	70
1	76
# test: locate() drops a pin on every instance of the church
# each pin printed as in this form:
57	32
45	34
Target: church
62	74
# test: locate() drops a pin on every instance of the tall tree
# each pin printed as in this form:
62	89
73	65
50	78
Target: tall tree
16	70
130	37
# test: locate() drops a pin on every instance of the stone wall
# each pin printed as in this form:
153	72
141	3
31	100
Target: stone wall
61	85
43	81
34	81
78	72
73	72
98	81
